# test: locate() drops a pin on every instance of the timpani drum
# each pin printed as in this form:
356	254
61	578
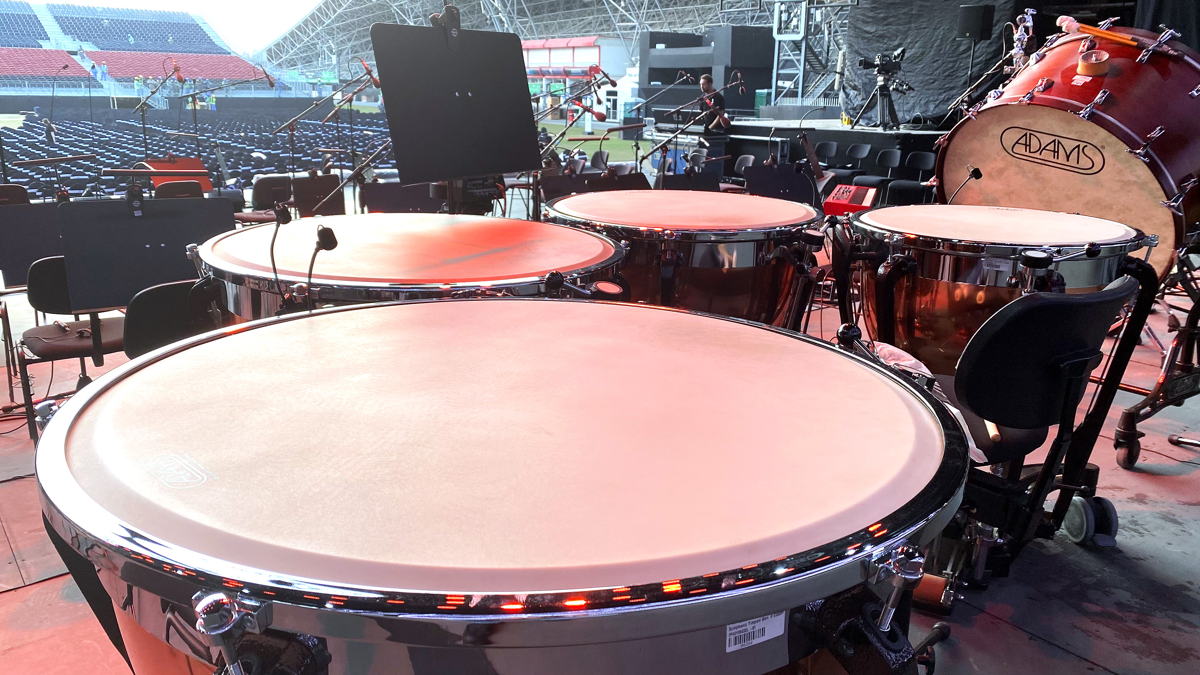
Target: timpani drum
1087	128
963	264
729	254
493	502
404	256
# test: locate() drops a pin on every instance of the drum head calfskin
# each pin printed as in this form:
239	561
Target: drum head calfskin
684	210
410	248
996	224
1043	158
492	446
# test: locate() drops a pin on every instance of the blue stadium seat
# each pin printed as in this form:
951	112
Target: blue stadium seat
19	27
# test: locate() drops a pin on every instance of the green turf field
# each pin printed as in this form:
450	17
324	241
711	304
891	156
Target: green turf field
618	150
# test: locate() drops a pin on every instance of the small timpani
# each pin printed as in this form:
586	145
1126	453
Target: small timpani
723	253
965	261
497	501
403	256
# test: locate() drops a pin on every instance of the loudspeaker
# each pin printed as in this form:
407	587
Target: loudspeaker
975	22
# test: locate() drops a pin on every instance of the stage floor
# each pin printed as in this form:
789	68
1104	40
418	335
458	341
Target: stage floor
1065	609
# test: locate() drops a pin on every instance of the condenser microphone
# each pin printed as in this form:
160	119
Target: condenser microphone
600	117
370	74
973	173
326	240
611	81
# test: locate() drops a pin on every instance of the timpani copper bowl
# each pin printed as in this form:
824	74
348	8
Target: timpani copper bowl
964	265
403	256
729	254
494	486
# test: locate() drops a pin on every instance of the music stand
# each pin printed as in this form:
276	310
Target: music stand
112	254
457	102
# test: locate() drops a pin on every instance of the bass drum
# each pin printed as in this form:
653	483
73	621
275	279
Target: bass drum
1123	145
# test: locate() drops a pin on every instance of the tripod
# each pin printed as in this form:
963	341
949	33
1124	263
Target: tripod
882	97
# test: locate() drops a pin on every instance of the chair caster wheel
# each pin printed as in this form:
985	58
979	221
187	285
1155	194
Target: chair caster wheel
1091	522
1080	523
1128	453
1106	522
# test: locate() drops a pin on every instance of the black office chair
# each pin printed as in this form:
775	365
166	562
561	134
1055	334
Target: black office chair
906	192
1026	369
856	153
13	194
61	340
825	152
737	182
886	159
166	313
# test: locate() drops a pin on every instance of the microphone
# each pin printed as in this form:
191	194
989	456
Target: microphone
270	80
326	240
600	117
973	173
374	80
599	70
177	71
686	74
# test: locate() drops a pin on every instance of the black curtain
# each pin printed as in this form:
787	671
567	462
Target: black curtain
1182	15
936	63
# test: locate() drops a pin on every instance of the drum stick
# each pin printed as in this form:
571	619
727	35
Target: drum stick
992	430
1070	25
1108	35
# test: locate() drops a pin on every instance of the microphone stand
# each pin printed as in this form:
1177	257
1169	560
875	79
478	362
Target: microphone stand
141	108
3	161
588	89
701	97
355	173
662	147
318	104
219	87
665	89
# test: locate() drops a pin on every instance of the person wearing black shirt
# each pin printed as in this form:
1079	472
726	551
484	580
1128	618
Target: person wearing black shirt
714	122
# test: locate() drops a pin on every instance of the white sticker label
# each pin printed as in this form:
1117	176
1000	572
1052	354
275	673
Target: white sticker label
745	633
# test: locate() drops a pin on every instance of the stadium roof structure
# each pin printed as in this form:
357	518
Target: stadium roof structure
337	32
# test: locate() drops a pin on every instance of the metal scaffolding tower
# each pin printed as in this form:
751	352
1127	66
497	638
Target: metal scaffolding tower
810	38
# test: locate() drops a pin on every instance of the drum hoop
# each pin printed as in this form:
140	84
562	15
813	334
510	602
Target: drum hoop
105	535
651	233
256	279
967	248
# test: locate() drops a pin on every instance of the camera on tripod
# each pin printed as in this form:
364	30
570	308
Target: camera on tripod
884	64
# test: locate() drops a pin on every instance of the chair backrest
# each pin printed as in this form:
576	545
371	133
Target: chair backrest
47	286
269	189
743	161
920	160
600	159
310	190
576	166
165	313
1015	369
627	181
825	150
888	159
179	188
13	194
623	168
553	187
858	152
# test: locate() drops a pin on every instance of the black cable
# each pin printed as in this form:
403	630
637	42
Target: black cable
3	433
312	260
274	269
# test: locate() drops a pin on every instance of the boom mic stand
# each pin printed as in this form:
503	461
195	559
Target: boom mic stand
586	90
319	103
682	76
141	109
355	173
662	147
